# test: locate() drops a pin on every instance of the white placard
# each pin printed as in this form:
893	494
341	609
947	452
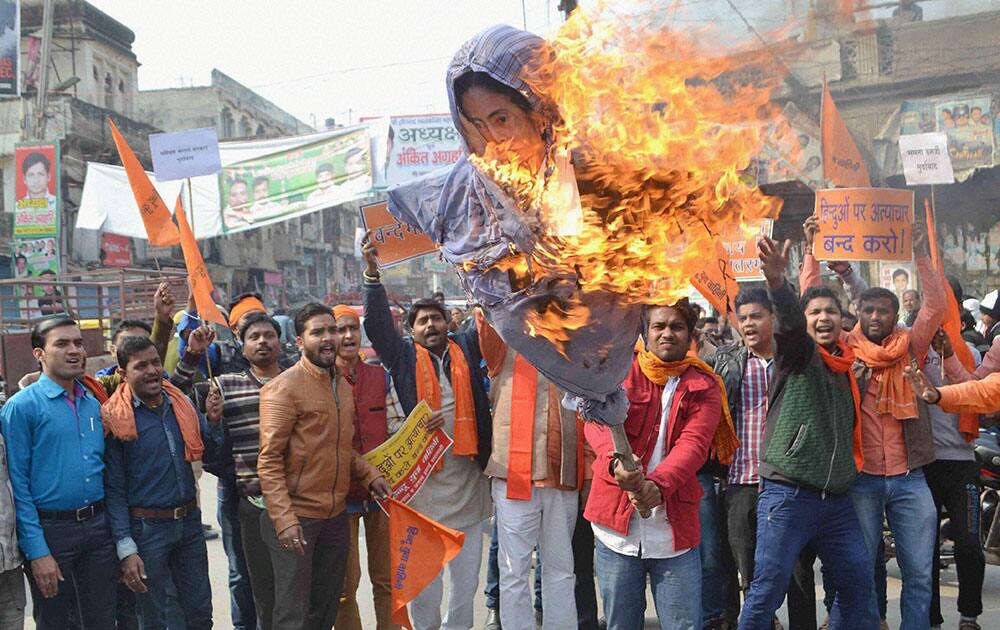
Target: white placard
183	154
925	159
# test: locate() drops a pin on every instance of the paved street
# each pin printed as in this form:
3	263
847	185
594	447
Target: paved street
949	586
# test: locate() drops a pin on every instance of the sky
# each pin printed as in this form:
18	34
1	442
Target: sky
343	59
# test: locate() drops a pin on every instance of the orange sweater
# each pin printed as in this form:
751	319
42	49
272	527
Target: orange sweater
972	396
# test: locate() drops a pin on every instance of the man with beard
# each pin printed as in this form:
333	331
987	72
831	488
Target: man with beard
305	466
445	371
240	417
809	457
153	435
55	456
897	432
369	384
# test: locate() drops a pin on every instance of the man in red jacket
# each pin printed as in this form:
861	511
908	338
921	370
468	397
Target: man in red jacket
675	404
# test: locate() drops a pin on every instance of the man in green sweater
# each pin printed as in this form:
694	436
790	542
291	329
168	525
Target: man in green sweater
810	456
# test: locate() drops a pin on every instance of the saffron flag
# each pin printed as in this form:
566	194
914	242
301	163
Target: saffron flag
968	423
155	216
419	548
201	284
842	161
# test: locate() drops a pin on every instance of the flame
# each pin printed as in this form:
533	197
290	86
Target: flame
660	129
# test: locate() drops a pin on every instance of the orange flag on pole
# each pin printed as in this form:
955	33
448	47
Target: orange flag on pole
201	283
155	216
842	161
968	423
418	548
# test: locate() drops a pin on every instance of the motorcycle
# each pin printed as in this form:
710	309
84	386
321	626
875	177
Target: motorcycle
987	449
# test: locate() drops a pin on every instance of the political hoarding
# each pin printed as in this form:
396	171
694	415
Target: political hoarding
36	189
286	184
420	144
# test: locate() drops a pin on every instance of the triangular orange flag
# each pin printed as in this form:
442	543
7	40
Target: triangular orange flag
716	283
201	283
968	423
155	216
418	549
842	162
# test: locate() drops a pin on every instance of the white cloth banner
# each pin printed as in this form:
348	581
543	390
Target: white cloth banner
107	203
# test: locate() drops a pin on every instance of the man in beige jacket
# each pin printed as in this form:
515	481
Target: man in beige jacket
305	466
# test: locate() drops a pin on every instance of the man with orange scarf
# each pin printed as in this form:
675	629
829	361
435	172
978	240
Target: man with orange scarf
153	434
809	458
897	434
677	416
445	371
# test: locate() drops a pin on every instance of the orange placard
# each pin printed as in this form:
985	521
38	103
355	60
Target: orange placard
395	242
864	224
744	263
716	283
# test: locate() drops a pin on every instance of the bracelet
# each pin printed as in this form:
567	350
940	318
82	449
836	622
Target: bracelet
369	278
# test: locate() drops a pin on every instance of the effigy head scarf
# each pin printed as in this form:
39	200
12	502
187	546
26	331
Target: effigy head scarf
482	233
562	265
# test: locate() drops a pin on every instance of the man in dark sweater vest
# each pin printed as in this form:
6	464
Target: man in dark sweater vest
809	458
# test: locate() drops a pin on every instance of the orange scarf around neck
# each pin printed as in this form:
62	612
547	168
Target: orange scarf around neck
118	417
429	389
893	394
842	364
724	443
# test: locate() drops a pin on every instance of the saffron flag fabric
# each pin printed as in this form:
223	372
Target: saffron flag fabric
842	161
419	548
201	283
155	216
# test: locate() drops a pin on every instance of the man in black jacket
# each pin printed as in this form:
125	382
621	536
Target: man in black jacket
458	494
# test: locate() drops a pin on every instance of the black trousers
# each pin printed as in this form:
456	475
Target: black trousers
583	566
955	487
740	502
307	588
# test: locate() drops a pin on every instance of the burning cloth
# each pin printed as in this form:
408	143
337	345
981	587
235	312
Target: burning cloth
524	246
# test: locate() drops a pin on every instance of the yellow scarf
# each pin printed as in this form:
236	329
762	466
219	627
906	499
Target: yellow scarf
724	443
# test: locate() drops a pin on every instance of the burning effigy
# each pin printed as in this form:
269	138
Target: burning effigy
597	168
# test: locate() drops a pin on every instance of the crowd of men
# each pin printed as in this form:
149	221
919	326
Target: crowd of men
797	441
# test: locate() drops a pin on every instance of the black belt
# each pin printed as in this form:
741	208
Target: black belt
85	513
174	513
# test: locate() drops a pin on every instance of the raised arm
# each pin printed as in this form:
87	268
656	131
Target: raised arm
379	326
793	346
163	323
809	275
932	312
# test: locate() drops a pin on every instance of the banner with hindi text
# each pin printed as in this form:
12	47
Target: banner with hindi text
395	242
864	224
419	145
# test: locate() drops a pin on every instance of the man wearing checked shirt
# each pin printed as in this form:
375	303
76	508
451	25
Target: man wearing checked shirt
55	455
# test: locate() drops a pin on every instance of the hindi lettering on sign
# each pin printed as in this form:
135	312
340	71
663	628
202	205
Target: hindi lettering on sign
880	220
394	242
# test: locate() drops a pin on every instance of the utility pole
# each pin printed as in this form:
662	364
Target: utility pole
43	71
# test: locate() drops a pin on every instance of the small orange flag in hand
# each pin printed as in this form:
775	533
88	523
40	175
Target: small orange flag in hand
201	284
418	548
155	216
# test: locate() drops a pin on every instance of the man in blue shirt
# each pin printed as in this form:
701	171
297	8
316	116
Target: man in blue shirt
154	435
55	455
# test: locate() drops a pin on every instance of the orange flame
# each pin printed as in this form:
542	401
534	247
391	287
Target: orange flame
660	129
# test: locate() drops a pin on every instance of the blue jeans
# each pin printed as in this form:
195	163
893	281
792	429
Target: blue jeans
907	502
789	518
89	565
710	550
240	594
174	550
676	584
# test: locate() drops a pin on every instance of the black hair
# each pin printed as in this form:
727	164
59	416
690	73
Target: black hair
878	293
425	304
261	179
711	319
256	317
483	80
243	296
900	272
325	167
237	180
912	291
125	324
968	320
23	257
47	272
131	346
35	158
956	287
682	306
753	296
307	312
40	331
819	292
